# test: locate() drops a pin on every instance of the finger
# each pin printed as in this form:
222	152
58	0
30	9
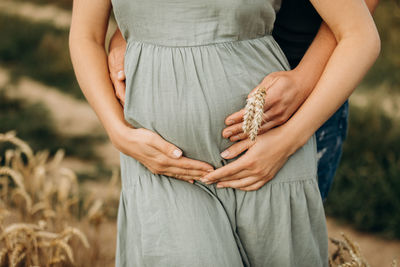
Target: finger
267	126
252	187
227	170
240	175
232	130
235	117
194	174
187	163
263	129
180	177
165	147
120	90
240	136
239	183
237	148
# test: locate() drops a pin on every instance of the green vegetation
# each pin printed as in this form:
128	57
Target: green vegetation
365	191
386	68
34	124
38	50
65	4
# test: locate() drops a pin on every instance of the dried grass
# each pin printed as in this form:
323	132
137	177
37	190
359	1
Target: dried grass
348	254
45	195
46	198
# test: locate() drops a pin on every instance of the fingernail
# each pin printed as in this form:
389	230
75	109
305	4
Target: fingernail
230	122
177	153
220	186
210	170
120	75
225	153
203	180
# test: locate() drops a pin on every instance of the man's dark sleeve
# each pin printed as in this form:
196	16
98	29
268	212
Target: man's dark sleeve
296	25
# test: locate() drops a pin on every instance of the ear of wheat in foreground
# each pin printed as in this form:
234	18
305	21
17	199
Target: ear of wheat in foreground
254	111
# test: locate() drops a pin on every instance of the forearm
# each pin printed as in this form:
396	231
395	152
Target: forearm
344	70
90	65
315	59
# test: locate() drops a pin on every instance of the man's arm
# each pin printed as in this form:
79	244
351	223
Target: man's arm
116	64
358	46
291	88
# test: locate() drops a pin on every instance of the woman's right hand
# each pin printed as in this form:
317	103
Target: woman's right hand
158	155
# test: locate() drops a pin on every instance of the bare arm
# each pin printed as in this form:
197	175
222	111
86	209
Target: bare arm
358	46
291	88
89	58
86	42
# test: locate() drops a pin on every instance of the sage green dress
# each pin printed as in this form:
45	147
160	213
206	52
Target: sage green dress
189	64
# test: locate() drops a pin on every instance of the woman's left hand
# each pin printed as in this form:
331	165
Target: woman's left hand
263	159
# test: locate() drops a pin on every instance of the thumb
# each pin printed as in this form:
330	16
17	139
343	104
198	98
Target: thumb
167	148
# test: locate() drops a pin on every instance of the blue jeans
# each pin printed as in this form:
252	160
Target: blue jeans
330	138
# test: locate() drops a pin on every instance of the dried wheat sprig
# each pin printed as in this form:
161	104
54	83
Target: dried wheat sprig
3	254
347	249
69	231
254	111
248	114
16	254
67	249
25	196
16	176
11	137
17	227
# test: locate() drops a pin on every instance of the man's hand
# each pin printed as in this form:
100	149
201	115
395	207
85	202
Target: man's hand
285	94
116	65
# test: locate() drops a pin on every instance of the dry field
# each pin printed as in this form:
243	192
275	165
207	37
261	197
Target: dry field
48	219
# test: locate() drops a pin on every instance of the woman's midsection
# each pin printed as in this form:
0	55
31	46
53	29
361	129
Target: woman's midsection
185	94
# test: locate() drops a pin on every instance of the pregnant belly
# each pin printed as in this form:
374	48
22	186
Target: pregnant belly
186	101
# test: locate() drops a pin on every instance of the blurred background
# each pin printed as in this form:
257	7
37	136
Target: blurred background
59	174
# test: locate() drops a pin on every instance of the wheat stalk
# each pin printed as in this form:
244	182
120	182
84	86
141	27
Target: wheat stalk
254	110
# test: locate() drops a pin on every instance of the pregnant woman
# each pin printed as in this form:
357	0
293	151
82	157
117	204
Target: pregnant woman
188	65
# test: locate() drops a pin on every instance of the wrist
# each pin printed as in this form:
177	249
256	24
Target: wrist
120	133
294	138
305	80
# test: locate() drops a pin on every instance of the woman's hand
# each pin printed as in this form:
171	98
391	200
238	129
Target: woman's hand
286	91
263	159
116	64
158	155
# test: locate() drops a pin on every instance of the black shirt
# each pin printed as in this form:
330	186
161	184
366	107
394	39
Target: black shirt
296	24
